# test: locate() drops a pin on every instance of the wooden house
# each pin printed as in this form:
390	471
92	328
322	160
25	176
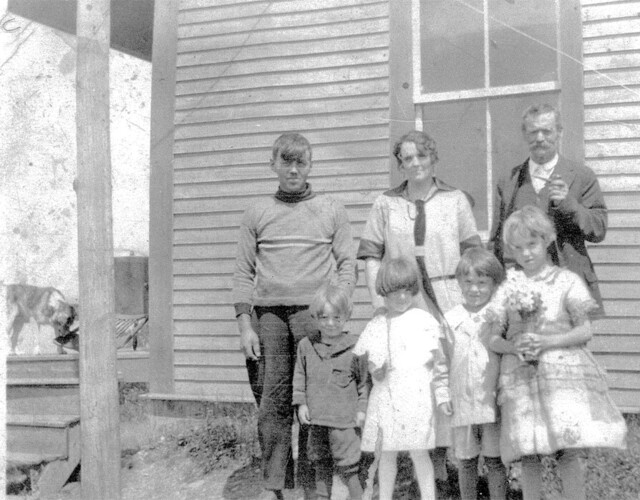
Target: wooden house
352	75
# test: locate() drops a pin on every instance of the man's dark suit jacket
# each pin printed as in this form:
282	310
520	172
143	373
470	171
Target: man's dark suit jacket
580	217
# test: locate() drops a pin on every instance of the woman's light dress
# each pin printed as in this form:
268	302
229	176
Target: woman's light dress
401	405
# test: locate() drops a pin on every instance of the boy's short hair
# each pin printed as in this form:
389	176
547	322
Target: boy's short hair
482	262
291	146
335	296
397	274
526	222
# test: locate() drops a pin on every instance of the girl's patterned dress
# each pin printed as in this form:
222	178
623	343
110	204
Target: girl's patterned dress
562	401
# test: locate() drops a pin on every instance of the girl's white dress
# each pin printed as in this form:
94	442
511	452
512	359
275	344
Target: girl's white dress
400	406
562	401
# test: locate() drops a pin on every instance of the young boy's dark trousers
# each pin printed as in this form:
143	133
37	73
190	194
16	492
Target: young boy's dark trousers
335	450
280	328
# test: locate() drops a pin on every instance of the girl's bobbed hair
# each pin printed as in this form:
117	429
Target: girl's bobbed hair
397	274
338	298
527	222
482	262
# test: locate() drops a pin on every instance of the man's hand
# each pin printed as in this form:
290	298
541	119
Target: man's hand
303	415
558	189
249	341
360	418
446	408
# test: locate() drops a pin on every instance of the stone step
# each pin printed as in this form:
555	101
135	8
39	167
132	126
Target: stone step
44	435
40	396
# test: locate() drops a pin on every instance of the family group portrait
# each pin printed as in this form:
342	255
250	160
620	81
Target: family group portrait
321	249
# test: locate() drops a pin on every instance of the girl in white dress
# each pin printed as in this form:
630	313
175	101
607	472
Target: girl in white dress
401	346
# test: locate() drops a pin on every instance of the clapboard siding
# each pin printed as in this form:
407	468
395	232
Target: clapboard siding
246	72
612	148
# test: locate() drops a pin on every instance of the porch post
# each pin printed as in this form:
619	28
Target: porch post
99	412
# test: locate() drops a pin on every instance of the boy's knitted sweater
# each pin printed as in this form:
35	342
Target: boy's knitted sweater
287	250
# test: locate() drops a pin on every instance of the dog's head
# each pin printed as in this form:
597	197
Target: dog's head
64	319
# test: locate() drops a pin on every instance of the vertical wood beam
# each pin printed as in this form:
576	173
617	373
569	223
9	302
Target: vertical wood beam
402	115
163	86
99	410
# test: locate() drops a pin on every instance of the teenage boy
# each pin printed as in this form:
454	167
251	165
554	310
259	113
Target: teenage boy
289	245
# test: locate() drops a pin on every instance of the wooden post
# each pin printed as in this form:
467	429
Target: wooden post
99	411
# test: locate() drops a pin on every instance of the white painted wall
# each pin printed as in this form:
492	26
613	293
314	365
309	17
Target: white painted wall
38	155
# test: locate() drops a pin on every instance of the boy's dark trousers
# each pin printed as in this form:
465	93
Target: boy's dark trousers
280	328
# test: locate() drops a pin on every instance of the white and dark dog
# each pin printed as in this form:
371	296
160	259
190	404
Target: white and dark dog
45	305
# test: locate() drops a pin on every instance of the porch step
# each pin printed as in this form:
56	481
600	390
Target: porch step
51	366
41	396
46	447
45	435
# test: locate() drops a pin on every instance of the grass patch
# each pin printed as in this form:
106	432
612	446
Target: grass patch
222	440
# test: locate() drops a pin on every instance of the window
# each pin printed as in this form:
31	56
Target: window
477	64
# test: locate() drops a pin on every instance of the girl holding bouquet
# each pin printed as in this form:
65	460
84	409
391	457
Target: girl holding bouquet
552	393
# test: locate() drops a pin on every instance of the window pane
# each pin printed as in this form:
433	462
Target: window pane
509	148
460	133
522	42
451	46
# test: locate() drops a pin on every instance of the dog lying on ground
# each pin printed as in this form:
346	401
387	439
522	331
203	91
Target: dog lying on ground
46	305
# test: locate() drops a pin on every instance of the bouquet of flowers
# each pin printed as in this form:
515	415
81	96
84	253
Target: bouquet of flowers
523	297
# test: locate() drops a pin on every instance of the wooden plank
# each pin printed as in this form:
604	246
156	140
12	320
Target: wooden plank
249	11
620	183
612	44
604	254
611	28
593	79
619	201
618	326
215	295
320	185
237	173
216	41
623	308
615	343
371	150
374	96
624	380
610	11
202	137
200	4
220	311
612	148
211	373
611	61
620	362
628	219
208	22
609	130
613	113
199	358
208	342
627	401
226	391
276	96
221	326
617	272
309	78
250	52
305	62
